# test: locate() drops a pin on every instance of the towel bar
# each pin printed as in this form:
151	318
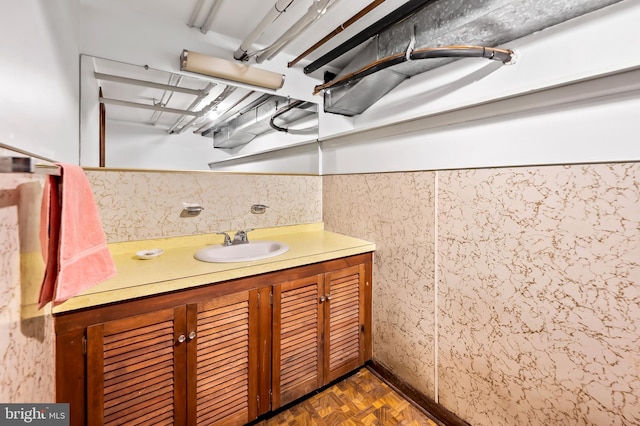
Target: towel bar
25	164
47	169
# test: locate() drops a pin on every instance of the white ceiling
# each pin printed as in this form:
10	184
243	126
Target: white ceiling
235	19
231	25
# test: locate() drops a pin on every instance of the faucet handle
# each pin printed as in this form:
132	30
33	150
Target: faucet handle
241	236
227	238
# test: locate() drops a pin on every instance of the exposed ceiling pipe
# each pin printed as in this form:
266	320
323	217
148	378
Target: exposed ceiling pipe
145	106
317	9
211	107
145	83
311	130
297	117
229	116
397	15
166	98
191	107
227	113
502	55
278	9
195	13
201	114
337	31
209	19
245	127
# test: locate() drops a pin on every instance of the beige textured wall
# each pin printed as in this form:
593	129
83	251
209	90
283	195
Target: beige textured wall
396	211
537	290
26	334
147	205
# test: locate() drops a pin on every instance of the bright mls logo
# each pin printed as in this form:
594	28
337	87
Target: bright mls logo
36	414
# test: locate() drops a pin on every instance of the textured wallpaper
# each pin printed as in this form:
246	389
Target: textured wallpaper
537	298
540	295
396	212
26	334
147	205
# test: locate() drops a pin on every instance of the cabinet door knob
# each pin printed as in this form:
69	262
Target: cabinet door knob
192	335
328	297
181	338
321	299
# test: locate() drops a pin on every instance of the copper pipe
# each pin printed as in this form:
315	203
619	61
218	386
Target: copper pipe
359	73
337	31
428	52
408	9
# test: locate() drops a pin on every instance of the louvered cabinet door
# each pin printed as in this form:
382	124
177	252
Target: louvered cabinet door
344	320
223	361
297	334
136	370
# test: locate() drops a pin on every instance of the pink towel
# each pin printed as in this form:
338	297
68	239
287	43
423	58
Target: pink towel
73	242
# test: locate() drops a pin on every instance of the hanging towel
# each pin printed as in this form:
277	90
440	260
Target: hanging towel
74	246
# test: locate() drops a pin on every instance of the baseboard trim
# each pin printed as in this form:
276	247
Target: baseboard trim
432	408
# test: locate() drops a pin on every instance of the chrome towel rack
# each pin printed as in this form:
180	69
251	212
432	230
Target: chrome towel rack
18	165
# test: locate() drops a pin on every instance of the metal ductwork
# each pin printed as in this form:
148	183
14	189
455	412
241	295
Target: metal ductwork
442	23
245	127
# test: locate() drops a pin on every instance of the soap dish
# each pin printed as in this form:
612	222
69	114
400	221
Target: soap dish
149	254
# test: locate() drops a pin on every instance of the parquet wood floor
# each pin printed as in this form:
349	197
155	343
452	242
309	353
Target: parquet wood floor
361	399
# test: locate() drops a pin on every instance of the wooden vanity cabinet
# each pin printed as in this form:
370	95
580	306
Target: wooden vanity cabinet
320	330
222	377
143	369
220	354
297	345
189	357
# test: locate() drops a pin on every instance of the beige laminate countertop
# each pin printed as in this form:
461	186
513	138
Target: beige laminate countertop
177	269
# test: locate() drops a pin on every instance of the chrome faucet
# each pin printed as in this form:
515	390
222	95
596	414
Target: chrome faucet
227	239
241	237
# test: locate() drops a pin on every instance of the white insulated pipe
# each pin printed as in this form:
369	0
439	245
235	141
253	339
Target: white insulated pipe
317	9
206	26
278	9
195	13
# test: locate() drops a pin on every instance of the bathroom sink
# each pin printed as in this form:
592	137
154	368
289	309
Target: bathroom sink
254	250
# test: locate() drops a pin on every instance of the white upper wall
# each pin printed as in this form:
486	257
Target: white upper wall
39	89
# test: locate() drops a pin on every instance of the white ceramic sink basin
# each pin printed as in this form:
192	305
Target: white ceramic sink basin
254	250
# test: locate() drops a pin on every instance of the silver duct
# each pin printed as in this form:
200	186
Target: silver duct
256	121
446	23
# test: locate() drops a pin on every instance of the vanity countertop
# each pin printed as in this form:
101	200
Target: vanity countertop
177	269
